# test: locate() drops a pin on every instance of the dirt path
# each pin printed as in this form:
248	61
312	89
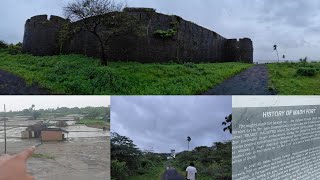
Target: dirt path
172	174
253	81
11	84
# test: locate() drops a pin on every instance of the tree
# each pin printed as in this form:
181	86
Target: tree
283	56
188	139
275	48
3	45
124	150
228	123
33	112
103	19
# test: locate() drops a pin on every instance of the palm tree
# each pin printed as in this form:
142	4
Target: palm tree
275	48
228	123
188	139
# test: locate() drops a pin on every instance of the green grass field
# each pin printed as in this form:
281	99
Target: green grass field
154	174
77	74
284	79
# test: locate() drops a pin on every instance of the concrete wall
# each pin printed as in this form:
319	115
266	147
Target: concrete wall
191	43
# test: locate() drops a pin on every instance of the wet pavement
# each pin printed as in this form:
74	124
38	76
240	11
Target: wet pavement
11	84
172	174
253	81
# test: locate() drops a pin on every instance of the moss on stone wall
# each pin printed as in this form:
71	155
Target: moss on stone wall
165	33
170	32
64	35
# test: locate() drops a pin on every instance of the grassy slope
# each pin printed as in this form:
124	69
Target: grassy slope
155	173
283	78
76	74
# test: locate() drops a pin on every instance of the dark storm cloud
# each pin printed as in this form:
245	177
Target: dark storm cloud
291	24
164	122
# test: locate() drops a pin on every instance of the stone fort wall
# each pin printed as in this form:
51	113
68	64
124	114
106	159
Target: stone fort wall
190	43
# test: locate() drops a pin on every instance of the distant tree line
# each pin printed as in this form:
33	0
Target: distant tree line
88	112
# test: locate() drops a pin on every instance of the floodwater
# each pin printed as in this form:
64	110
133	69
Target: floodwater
85	155
14	130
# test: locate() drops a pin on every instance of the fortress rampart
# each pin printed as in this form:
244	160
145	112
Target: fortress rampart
187	42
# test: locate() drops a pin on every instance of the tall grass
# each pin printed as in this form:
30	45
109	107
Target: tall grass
287	79
77	74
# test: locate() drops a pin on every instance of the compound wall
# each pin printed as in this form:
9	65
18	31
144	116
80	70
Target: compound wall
190	43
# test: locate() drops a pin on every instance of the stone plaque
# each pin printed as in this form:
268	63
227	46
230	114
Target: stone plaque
278	143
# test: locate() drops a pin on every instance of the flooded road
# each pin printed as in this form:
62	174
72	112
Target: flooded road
14	129
84	155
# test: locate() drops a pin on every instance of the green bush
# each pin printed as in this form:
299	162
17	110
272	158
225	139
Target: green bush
306	71
19	44
3	45
14	49
118	170
165	34
190	65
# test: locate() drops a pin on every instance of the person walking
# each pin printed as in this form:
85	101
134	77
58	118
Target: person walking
191	172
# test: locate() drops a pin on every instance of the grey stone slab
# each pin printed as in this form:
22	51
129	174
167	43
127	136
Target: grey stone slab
276	143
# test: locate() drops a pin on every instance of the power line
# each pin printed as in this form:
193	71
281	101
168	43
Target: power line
5	130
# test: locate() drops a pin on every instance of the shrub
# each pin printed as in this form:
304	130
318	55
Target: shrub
189	65
19	44
118	169
306	71
165	34
3	45
14	49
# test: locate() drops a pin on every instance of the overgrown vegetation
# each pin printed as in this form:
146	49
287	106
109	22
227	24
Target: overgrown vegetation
129	162
44	156
299	78
170	33
14	49
77	74
211	162
165	33
306	71
3	44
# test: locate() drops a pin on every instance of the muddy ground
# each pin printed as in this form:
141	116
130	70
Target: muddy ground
84	156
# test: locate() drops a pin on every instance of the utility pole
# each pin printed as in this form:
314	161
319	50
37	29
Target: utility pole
5	130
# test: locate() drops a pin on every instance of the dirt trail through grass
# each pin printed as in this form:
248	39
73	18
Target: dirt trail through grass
253	81
13	85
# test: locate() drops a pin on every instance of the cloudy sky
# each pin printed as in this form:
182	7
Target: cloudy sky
165	122
15	103
291	24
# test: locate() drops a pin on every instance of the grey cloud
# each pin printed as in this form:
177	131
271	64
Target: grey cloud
164	122
292	12
291	24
